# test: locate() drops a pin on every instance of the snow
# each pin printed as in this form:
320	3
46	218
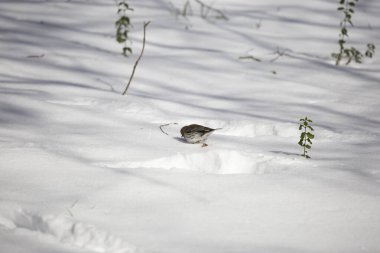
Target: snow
84	169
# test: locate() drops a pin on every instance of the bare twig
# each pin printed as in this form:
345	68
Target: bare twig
205	9
163	130
166	125
187	9
249	57
138	59
36	56
279	54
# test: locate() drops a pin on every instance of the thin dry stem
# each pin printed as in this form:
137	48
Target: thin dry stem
138	59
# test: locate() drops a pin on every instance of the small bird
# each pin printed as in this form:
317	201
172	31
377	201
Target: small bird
196	133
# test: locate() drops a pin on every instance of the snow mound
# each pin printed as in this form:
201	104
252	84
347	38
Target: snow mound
72	233
246	129
216	162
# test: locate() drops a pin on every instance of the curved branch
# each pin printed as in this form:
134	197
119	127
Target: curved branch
138	59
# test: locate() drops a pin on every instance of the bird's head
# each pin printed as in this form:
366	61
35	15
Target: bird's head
183	131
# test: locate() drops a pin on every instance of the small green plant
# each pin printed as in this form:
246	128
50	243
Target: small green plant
347	8
122	26
370	50
306	135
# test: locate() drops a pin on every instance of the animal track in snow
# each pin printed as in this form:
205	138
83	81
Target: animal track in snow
72	233
216	162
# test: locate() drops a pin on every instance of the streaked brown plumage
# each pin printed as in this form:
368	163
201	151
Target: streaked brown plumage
196	133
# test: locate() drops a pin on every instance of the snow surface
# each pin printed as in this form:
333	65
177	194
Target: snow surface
84	169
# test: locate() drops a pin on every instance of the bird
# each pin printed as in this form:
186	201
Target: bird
196	133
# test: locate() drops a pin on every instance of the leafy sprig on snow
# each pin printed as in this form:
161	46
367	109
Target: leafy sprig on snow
122	27
350	53
306	135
